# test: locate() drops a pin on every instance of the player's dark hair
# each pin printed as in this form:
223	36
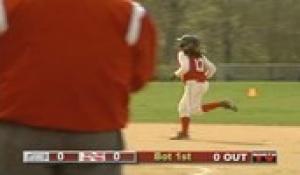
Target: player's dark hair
193	53
190	45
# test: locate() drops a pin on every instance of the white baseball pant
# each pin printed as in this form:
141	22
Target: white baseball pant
191	100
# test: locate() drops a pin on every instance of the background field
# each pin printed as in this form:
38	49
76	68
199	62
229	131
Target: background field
277	103
151	136
248	40
155	120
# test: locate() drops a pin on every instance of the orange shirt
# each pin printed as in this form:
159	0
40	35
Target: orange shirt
72	64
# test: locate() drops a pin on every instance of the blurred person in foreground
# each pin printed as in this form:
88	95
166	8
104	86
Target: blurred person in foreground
67	69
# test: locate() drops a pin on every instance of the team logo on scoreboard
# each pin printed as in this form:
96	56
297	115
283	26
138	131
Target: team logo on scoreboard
92	156
264	156
35	156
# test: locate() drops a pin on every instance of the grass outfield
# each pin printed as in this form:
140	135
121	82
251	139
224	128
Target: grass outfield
278	103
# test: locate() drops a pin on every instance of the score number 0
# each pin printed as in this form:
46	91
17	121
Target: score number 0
116	156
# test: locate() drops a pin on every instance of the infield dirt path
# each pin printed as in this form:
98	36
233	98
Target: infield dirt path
284	139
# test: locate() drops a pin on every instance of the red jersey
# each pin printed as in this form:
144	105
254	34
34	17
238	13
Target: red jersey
71	65
196	70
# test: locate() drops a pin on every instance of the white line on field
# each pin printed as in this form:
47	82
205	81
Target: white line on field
199	170
203	171
184	167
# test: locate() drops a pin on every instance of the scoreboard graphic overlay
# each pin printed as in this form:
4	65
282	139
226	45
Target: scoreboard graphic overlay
139	157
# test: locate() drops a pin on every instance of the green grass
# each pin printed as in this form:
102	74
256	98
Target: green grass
278	103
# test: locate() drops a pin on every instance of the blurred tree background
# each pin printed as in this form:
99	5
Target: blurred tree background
232	31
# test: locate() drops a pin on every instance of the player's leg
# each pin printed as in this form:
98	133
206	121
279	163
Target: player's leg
111	140
226	104
89	169
184	110
190	103
14	140
199	91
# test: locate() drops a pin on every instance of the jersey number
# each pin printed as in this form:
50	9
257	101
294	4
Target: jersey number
199	65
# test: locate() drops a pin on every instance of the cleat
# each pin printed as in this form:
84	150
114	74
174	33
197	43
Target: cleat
180	136
229	105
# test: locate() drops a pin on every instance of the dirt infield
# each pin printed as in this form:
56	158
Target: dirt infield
284	139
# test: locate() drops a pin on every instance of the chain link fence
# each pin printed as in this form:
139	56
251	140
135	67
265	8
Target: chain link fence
243	72
265	71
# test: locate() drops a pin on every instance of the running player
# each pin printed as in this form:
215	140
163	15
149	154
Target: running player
194	70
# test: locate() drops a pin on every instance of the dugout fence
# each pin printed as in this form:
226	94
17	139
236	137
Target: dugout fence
264	71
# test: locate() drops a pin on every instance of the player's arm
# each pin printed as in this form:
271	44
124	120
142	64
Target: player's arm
209	67
3	18
143	42
183	64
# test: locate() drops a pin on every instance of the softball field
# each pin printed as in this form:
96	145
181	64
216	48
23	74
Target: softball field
268	121
217	137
